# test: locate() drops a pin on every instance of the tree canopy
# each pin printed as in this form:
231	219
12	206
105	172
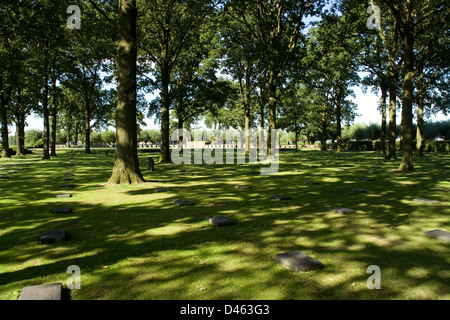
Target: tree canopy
289	64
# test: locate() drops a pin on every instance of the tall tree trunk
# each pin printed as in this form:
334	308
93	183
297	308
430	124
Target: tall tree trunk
77	131
407	100
5	138
392	83
245	100
19	150
22	130
338	120
54	110
261	116
46	148
69	132
296	132
4	118
383	119
392	129
165	119
272	106
19	114
87	126
247	111
323	139
180	129
247	130
420	106
126	166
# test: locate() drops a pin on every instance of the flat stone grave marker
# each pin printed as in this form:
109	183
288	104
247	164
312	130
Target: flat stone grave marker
408	183
358	190
7	216
66	186
366	179
4	177
64	195
242	187
69	174
275	177
311	182
68	179
297	261
182	170
161	190
427	201
215	204
61	210
53	236
438	234
372	171
416	175
42	292
216	179
196	174
341	210
12	172
281	197
183	202
220	221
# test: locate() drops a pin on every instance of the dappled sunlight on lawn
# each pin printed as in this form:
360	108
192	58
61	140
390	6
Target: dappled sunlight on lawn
138	237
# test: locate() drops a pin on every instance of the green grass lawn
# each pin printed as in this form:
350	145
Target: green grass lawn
131	242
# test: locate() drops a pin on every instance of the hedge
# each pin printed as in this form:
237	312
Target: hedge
374	145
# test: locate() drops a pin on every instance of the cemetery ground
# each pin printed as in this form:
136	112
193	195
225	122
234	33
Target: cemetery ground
132	242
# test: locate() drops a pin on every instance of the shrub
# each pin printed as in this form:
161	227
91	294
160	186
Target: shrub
34	138
437	146
109	136
365	145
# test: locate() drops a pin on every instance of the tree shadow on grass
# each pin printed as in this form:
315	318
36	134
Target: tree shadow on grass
152	249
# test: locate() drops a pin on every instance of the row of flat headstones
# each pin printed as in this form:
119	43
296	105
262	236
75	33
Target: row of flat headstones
12	171
59	235
51	291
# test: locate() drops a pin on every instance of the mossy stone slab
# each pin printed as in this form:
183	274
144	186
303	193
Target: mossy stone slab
438	234
61	210
220	221
183	202
53	236
51	291
341	210
297	261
